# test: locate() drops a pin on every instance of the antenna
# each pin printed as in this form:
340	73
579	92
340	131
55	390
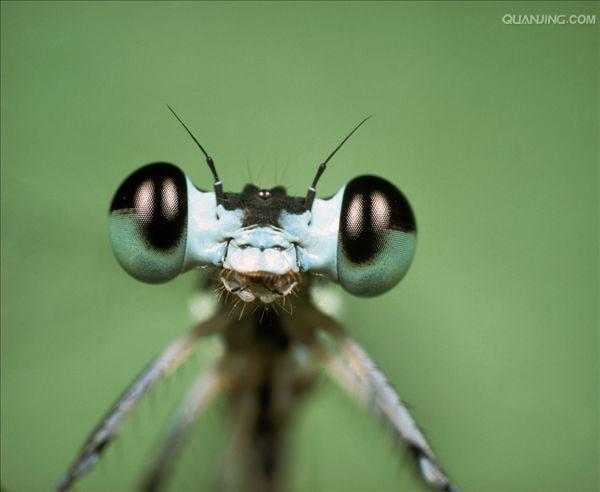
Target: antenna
312	190
218	185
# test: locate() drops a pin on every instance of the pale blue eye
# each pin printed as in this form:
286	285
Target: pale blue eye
377	236
148	222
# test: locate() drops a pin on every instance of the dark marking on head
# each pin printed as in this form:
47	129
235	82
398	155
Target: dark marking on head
263	206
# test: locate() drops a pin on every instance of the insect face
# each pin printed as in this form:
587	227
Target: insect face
263	240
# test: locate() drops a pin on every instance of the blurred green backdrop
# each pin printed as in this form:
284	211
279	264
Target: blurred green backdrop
490	129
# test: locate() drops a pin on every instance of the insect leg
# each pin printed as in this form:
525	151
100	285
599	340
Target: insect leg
108	428
204	390
353	369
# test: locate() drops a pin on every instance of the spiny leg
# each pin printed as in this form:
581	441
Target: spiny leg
354	370
202	393
108	428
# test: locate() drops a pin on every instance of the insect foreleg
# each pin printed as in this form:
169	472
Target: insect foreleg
350	366
202	393
106	431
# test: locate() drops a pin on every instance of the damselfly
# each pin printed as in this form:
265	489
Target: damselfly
266	251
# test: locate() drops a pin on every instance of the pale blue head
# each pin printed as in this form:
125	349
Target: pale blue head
262	241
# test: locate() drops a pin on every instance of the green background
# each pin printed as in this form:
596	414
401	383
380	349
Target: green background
490	129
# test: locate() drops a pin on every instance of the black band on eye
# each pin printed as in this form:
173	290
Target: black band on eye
156	195
371	206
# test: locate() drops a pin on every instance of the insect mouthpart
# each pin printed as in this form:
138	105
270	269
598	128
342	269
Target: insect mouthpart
264	286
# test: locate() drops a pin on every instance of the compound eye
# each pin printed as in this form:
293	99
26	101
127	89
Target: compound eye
376	238
148	222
